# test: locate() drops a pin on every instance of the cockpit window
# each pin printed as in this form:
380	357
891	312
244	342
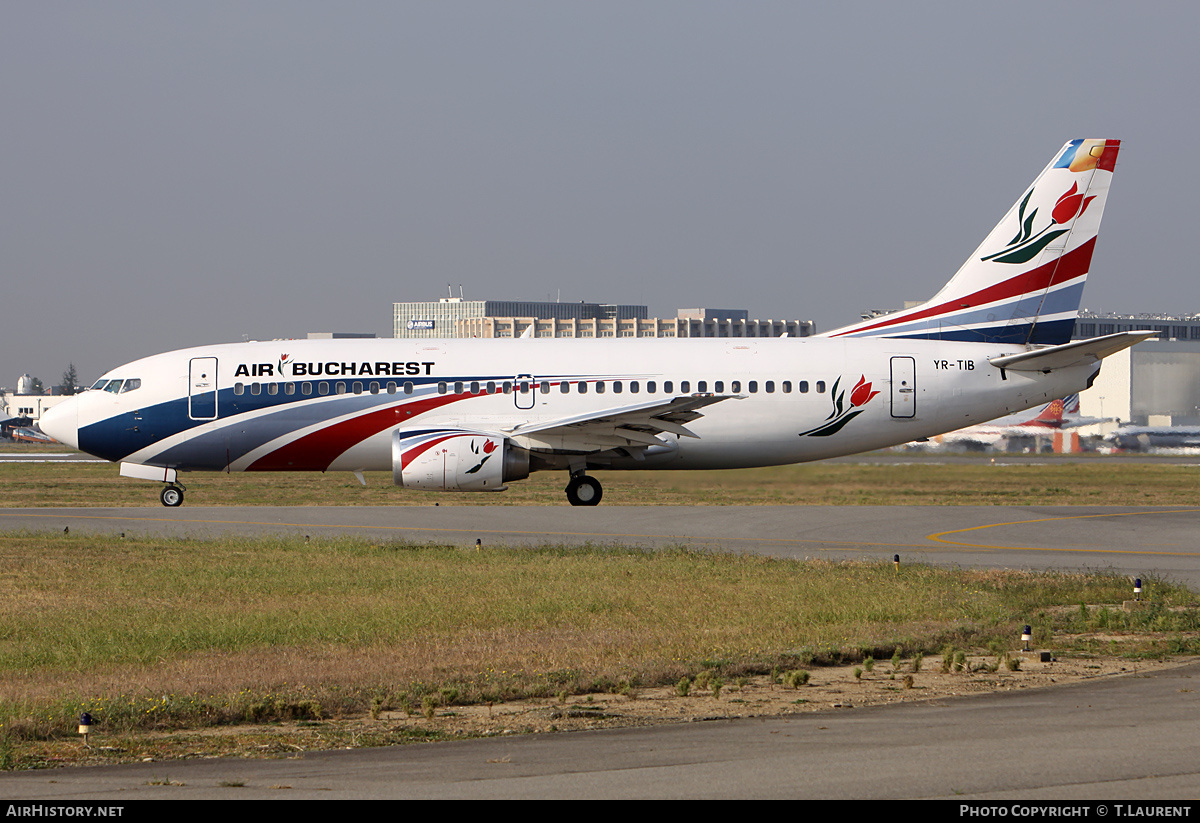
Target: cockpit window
131	384
99	384
113	386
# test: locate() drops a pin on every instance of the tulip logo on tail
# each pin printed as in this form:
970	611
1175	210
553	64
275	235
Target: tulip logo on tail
1026	245
489	446
842	414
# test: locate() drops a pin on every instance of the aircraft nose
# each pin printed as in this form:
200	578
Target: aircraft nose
62	422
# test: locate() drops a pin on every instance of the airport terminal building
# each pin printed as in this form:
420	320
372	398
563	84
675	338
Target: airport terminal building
1155	383
456	317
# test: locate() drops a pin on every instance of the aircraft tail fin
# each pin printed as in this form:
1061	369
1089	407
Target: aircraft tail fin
1025	282
1051	415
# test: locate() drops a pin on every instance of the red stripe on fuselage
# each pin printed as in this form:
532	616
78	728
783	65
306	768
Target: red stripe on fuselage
316	450
416	451
1069	266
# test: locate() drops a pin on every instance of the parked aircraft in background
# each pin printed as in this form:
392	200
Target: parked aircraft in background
24	434
1144	438
1024	430
473	415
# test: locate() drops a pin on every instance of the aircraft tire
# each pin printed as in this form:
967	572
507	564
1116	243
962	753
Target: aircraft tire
171	496
584	491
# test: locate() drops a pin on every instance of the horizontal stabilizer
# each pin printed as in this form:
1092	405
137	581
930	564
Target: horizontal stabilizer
1079	352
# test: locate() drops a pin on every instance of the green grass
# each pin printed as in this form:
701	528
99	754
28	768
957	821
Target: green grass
1100	481
175	634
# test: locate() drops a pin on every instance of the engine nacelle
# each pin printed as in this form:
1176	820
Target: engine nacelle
455	460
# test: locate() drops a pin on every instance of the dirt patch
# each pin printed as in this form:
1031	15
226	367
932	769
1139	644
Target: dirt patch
828	688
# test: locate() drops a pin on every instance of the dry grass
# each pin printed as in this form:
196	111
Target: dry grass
100	621
1100	481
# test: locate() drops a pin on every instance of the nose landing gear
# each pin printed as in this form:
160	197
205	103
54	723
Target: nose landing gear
171	495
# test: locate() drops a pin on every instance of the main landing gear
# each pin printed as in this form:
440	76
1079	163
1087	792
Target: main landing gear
171	495
584	491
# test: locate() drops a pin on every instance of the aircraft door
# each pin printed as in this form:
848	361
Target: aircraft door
524	391
904	387
202	388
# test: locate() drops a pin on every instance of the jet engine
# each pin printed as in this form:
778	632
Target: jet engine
455	460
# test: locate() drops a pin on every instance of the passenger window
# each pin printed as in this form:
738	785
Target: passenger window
599	387
735	386
702	386
408	387
787	386
564	387
441	388
719	386
651	387
770	387
633	386
474	387
306	388
507	386
374	387
582	387
804	387
256	388
616	387
545	387
323	387
340	387
391	387
491	387
685	386
356	387
668	387
458	387
239	389
289	388
272	388
820	385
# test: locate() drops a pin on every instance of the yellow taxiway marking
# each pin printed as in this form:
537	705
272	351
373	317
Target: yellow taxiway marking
939	536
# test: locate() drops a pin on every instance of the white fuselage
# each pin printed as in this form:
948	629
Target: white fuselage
334	404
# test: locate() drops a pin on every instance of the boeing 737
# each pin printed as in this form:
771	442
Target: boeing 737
473	415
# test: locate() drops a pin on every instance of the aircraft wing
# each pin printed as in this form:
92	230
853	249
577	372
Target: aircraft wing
623	426
1091	350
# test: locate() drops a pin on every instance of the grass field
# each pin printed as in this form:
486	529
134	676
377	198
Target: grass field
157	636
1101	481
151	635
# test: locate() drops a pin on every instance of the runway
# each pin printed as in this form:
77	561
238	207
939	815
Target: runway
1140	541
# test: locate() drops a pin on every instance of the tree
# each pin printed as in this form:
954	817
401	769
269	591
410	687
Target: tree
69	380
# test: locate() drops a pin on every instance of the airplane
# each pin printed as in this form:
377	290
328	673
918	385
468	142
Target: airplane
476	414
1020	428
27	435
1142	438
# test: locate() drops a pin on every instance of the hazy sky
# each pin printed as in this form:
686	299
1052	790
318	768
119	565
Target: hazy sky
176	174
